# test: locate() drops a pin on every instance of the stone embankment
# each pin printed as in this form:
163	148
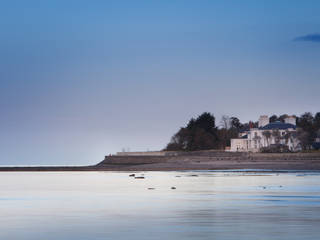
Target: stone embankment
214	160
197	160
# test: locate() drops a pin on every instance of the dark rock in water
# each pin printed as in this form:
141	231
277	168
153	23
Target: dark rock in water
173	187
139	177
150	188
131	175
194	175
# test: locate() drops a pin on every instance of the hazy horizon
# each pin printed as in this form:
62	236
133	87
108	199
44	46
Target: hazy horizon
80	79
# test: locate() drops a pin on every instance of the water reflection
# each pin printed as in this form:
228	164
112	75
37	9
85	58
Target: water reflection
203	205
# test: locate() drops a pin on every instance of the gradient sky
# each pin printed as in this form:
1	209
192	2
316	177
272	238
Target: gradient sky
82	79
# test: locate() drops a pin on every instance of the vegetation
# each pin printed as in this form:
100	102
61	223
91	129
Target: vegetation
202	133
199	134
275	148
309	127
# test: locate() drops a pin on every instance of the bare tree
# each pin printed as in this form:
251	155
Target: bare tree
225	122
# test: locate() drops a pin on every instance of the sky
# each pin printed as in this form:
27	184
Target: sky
82	79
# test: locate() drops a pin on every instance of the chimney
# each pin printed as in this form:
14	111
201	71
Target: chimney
263	121
290	119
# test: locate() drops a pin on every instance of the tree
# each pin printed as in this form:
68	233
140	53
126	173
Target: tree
202	140
255	124
304	137
205	121
273	118
230	128
199	134
267	135
235	123
178	141
282	117
316	121
305	120
225	122
306	123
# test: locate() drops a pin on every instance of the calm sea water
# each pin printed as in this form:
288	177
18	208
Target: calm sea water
112	205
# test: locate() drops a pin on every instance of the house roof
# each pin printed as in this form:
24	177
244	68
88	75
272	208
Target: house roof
278	125
245	129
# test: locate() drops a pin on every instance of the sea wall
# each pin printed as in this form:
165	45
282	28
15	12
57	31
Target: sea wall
178	153
197	160
148	153
284	156
207	156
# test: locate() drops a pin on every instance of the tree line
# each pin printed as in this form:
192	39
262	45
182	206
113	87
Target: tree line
202	133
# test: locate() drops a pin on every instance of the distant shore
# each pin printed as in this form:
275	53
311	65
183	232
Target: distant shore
200	160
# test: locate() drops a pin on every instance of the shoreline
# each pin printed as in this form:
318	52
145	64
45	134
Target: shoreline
193	161
85	169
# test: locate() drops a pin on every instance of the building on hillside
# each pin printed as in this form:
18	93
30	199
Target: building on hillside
267	135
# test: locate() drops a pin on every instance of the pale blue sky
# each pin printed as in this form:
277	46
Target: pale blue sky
82	79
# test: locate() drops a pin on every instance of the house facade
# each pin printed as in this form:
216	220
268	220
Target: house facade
267	134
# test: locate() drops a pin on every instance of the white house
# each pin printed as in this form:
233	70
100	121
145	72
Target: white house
267	134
